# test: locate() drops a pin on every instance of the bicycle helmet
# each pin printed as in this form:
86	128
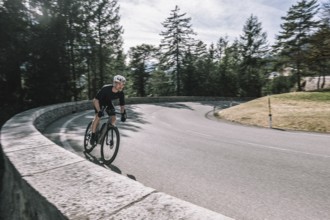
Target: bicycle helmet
119	78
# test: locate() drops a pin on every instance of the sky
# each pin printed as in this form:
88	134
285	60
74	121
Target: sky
211	19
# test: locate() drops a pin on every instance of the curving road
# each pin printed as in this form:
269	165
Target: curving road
239	171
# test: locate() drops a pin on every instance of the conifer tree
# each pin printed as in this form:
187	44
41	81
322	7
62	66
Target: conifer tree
141	65
53	51
107	33
292	41
194	70
175	43
13	43
253	47
227	64
318	55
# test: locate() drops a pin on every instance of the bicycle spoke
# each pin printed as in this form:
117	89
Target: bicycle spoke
88	135
110	145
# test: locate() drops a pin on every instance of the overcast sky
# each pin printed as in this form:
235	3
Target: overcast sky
211	19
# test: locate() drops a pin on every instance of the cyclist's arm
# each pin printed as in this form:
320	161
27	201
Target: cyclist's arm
96	104
122	102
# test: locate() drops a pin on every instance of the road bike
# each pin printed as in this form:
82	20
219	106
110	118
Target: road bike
107	136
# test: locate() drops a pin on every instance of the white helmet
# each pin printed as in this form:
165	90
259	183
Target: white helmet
119	78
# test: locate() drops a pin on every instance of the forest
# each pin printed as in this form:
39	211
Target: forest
55	51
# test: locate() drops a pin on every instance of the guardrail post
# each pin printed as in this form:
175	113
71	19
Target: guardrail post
270	112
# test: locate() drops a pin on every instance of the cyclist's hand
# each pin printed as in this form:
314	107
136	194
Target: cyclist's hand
100	114
123	116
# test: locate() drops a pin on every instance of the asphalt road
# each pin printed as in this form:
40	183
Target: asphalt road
242	172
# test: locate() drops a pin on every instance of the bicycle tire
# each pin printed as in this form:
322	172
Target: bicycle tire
108	153
88	135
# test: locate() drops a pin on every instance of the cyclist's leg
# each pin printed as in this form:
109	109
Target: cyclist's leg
95	123
113	120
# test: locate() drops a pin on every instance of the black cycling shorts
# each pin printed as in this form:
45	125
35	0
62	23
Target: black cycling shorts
110	110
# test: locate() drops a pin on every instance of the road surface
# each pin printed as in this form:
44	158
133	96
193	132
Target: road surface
242	172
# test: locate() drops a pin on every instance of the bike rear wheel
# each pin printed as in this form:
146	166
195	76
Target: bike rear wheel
110	145
88	135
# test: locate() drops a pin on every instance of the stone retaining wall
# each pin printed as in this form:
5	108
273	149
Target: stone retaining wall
40	180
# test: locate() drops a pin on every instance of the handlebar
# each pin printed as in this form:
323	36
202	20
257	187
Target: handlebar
104	108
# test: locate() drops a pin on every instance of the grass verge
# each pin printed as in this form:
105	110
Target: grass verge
304	111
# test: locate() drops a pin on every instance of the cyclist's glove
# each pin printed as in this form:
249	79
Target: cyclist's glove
123	116
100	114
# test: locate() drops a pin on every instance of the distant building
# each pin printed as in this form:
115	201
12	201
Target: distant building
313	83
286	71
273	75
310	83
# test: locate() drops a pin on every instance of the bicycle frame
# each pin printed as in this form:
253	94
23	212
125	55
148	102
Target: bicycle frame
107	136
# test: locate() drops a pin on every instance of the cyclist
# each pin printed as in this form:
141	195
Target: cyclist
104	98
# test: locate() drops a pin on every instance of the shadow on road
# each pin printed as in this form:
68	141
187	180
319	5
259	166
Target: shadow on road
113	168
174	105
213	104
135	118
93	159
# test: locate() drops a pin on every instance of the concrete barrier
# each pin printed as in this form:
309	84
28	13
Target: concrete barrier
41	180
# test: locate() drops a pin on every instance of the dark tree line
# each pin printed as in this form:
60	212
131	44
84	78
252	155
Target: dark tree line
64	50
57	50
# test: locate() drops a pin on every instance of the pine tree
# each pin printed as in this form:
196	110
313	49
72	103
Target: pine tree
107	33
13	43
228	59
141	65
293	39
318	55
253	47
70	12
205	66
194	70
177	39
52	64
159	83
189	74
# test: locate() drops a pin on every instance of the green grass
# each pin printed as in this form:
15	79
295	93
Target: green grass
306	96
305	111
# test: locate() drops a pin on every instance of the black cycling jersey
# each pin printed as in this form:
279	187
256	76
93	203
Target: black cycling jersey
105	96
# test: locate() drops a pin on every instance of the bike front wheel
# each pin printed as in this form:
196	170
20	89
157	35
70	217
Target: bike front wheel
110	145
88	135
